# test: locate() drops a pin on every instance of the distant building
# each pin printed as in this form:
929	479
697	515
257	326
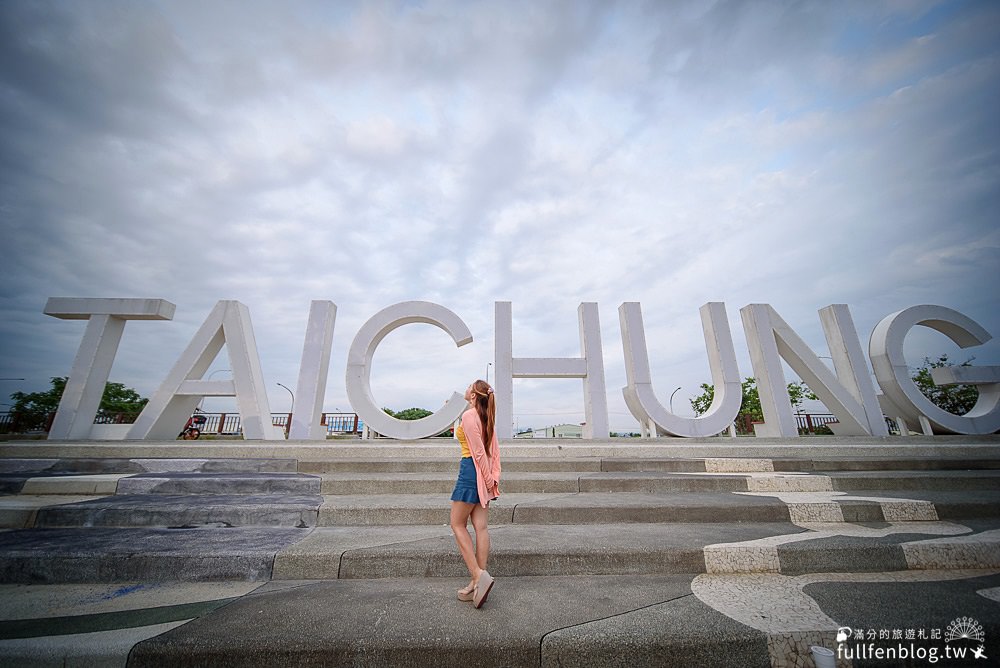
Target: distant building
559	431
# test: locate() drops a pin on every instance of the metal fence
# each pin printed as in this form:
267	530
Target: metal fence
815	424
228	424
222	424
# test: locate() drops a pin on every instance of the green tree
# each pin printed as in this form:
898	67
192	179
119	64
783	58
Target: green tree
412	414
798	392
120	399
32	410
957	399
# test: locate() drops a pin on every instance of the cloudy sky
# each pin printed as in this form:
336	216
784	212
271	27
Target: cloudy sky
544	153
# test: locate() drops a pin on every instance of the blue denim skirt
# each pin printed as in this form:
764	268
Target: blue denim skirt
466	490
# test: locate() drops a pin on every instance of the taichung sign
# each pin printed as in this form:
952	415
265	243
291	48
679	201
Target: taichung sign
848	391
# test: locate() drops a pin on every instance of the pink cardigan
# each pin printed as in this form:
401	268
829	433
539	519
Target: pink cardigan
487	467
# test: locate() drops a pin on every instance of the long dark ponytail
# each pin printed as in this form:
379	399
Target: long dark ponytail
486	409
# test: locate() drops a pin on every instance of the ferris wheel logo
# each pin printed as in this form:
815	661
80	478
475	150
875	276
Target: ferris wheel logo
964	628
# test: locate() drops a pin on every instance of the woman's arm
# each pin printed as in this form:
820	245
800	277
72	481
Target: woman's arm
474	434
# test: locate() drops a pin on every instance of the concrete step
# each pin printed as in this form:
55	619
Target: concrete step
666	464
379	552
659	482
94	465
968	447
884	480
450	465
142	555
261	553
161	509
727	553
185	510
800	464
171	483
556	482
600	508
708	621
220	483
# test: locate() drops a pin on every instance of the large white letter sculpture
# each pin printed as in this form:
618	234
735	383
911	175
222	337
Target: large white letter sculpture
313	370
359	362
92	365
853	401
590	368
639	395
886	351
166	413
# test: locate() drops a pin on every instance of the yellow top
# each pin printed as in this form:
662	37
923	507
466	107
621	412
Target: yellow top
460	435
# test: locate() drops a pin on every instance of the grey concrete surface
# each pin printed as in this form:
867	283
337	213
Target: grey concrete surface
91	465
41	602
20	512
447	464
391	509
652	482
12	483
977	447
556	550
953	505
672	464
101	649
359	510
599	508
922	480
678	632
894	464
586	578
102	483
528	621
141	555
925	605
106	555
401	623
319	555
444	482
185	510
220	483
843	554
15	465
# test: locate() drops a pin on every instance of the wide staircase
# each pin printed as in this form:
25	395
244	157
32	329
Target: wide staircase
715	552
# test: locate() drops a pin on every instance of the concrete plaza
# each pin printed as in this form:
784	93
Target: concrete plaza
703	552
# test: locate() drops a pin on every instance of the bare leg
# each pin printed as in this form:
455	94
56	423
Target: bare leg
480	516
459	525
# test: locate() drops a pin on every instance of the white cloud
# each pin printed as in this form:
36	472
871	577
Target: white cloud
547	154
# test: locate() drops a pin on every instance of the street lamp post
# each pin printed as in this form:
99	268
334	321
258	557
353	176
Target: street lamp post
202	401
291	409
672	399
488	365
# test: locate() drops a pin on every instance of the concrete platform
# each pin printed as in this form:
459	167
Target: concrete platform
969	447
214	553
707	621
220	483
21	511
141	555
185	510
273	509
711	552
94	466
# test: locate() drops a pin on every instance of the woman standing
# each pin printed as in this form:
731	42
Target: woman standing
477	485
